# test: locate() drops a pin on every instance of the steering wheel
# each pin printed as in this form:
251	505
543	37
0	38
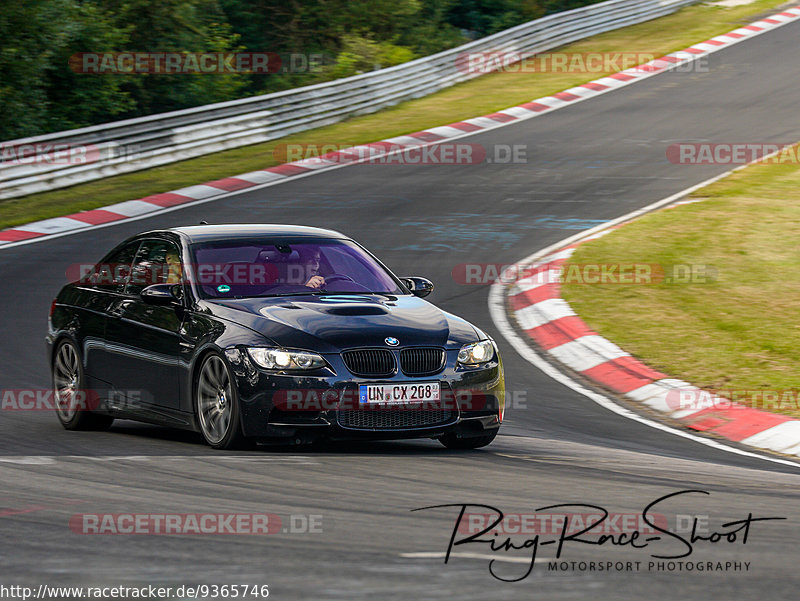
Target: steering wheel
336	277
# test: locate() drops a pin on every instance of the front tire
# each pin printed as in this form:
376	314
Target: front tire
217	404
70	394
473	442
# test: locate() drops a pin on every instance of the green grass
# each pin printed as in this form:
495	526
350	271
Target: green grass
480	96
739	332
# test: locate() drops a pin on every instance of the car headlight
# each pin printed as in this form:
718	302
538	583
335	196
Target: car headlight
275	358
475	353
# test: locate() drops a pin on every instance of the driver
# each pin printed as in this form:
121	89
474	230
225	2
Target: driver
310	260
174	270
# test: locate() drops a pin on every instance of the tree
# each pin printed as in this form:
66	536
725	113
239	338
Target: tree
191	26
77	99
38	90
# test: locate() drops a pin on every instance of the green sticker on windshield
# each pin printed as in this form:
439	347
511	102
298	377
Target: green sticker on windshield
223	288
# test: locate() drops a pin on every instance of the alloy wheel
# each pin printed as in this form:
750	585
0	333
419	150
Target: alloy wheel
214	399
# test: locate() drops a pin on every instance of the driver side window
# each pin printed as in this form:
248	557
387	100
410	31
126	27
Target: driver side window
112	273
156	262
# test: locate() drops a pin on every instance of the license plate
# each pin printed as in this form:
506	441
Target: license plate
418	392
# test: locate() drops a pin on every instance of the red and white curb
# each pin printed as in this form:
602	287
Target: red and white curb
548	320
137	209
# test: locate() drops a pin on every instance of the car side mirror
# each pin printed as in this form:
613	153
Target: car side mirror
420	287
162	294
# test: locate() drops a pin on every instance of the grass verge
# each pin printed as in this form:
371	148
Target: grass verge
739	330
480	96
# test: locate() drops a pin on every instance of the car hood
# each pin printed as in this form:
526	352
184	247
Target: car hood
329	324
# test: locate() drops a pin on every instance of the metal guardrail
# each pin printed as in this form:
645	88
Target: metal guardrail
53	161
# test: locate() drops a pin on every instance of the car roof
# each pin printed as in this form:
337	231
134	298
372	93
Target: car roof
206	233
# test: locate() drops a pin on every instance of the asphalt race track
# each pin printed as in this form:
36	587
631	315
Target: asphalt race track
587	163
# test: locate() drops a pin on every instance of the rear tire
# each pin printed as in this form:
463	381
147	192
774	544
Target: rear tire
70	394
217	404
473	442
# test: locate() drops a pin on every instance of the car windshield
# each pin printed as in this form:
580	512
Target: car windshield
248	268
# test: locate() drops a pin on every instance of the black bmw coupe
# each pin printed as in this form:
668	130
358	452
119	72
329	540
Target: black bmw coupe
267	333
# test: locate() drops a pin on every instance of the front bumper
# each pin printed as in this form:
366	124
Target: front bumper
303	408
